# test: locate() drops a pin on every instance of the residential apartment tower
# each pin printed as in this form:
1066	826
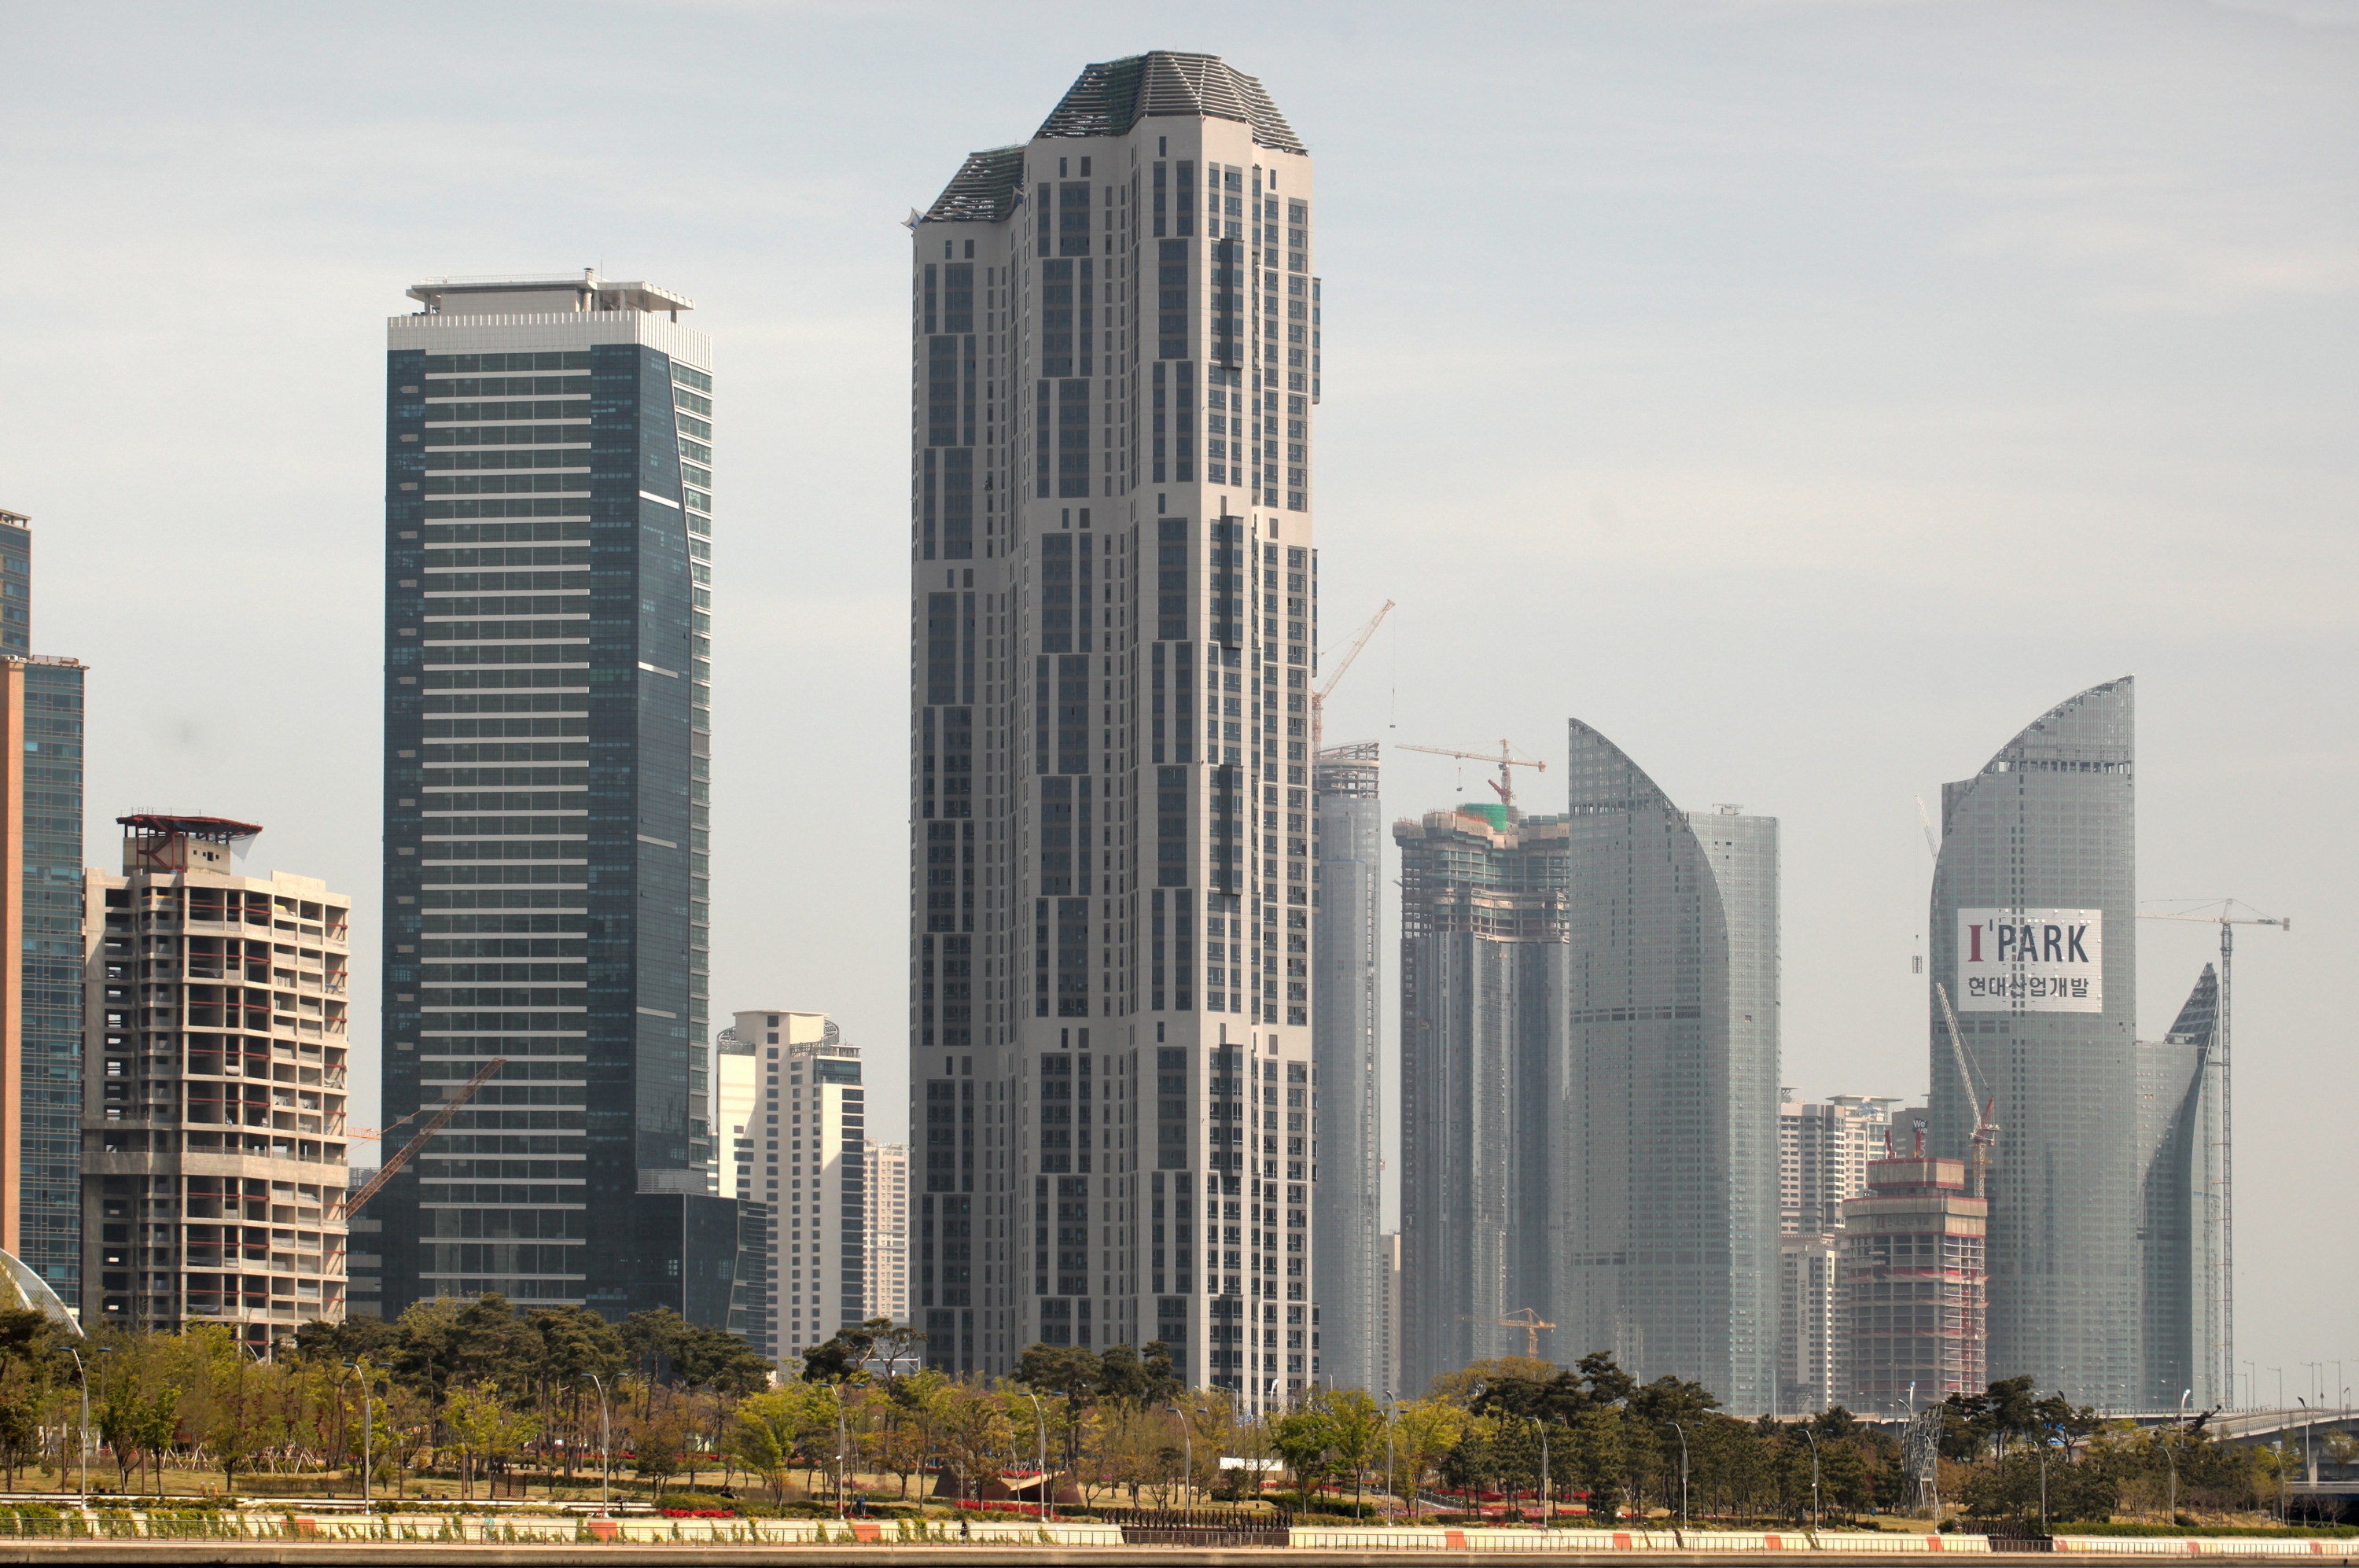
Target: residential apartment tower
1114	362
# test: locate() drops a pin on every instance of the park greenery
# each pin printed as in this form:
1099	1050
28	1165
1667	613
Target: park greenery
469	1399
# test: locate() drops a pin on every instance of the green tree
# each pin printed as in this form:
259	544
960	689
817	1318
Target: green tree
1424	1431
1598	1459
762	1438
1304	1437
1355	1435
1143	1382
483	1427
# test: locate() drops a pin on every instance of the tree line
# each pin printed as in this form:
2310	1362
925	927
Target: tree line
477	1394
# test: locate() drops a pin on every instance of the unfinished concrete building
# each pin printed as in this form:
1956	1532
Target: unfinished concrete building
213	1084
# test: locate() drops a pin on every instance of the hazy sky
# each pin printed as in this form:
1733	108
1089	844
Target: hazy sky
1806	394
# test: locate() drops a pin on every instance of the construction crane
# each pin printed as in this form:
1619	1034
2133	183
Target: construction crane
1985	1131
2223	913
1318	698
1524	1318
1504	783
443	1115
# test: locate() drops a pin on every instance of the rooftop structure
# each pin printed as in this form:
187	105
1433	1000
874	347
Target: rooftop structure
543	295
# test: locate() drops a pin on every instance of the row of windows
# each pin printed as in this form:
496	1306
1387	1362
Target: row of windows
470	364
500	386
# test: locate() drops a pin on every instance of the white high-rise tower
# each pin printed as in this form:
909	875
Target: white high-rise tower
1112	613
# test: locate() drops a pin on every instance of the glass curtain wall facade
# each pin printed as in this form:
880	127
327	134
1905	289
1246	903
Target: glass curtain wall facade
1481	1011
2033	933
2182	1130
1348	1223
1114	611
1666	1112
548	546
40	933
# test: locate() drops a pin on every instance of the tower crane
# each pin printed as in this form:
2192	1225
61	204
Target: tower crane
1524	1318
443	1115
1985	1131
1504	783
2223	913
1319	697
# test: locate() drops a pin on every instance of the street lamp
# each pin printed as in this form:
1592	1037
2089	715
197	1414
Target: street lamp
1047	1492
1682	1431
1188	1440
837	1390
368	1427
82	1374
1388	1457
1548	1509
1814	1474
605	1444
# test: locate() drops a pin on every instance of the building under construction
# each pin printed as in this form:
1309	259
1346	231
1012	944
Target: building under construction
213	1085
1912	1287
1482	992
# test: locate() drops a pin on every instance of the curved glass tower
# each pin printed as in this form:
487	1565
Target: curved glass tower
2034	932
1667	1104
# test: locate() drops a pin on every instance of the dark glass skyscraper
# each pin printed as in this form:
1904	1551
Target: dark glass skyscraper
548	541
1666	1109
2034	934
40	934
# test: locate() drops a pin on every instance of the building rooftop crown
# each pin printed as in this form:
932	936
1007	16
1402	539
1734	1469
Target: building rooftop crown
563	291
1109	99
